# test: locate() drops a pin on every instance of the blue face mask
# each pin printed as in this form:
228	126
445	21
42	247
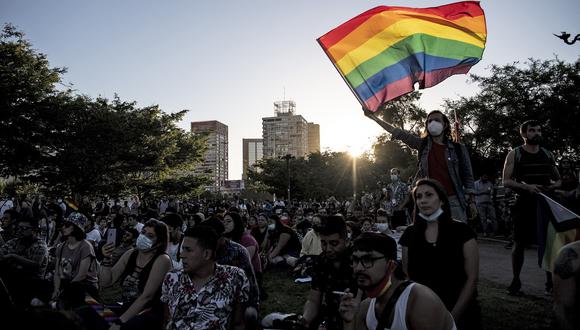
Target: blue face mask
144	243
432	217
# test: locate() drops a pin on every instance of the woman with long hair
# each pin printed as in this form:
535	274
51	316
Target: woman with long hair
441	157
442	254
140	271
234	230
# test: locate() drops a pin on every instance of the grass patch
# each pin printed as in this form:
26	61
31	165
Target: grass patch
499	310
284	295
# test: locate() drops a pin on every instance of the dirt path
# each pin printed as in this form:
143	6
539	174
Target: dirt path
495	266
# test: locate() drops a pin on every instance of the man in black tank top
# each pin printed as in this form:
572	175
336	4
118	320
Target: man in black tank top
528	170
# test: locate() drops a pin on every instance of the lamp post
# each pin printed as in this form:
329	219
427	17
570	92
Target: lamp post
287	157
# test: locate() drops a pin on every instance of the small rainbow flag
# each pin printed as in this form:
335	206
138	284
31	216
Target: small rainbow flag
383	52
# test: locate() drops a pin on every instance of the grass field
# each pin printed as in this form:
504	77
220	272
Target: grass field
500	311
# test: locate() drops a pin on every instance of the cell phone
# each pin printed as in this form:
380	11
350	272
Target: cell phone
111	235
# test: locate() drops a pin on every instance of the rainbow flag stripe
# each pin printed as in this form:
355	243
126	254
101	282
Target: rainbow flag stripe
383	52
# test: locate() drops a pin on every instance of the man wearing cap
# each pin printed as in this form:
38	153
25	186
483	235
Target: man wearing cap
392	303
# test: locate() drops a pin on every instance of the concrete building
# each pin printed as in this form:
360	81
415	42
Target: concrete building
287	132
215	161
252	151
313	138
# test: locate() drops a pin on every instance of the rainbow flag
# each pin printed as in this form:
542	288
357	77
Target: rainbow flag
557	226
383	52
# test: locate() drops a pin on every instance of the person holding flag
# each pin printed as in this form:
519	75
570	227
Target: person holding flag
384	52
529	170
440	158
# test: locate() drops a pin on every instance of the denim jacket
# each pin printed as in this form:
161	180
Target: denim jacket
458	164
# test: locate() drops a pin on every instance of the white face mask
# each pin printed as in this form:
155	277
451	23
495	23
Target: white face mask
435	128
382	227
394	177
432	217
144	243
271	226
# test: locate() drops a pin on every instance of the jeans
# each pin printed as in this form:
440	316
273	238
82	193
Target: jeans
457	211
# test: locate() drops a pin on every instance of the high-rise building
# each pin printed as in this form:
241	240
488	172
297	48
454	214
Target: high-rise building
252	151
313	138
215	160
286	133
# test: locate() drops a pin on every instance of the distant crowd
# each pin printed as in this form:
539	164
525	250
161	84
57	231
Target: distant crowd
403	257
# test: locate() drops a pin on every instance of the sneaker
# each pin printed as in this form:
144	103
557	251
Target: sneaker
514	288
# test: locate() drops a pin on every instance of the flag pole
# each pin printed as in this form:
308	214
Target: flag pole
457	131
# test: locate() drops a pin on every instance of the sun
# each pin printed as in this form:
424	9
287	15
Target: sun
355	151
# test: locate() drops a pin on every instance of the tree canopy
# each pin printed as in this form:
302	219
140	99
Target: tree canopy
74	144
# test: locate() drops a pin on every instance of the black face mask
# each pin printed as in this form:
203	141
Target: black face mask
535	140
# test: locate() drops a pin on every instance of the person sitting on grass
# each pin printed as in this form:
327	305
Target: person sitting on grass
204	294
23	262
140	272
331	272
286	245
234	254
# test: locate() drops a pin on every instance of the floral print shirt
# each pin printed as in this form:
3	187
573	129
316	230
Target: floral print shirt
212	306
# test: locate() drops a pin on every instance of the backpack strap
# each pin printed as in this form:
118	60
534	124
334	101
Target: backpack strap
391	304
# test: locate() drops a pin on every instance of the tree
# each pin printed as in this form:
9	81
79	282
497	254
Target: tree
545	90
27	93
73	144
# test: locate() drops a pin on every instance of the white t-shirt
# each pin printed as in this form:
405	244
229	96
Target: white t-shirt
172	252
94	235
5	205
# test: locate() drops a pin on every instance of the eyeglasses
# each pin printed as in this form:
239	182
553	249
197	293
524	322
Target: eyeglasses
366	261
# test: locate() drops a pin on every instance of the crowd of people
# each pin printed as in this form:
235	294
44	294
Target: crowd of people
405	257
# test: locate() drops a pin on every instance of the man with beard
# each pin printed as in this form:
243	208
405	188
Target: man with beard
392	303
23	262
529	169
331	273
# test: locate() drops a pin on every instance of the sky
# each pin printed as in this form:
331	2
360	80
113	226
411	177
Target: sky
230	60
